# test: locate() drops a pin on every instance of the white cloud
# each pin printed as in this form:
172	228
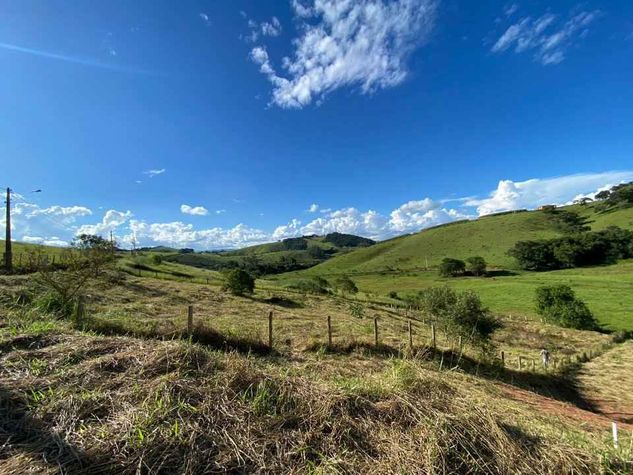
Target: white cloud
536	192
220	211
509	10
63	211
313	208
112	219
51	241
194	210
179	234
546	36
156	171
205	18
344	43
272	28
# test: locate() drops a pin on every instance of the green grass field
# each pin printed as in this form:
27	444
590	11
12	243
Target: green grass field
607	290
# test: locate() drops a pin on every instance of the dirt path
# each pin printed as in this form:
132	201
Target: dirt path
606	382
557	408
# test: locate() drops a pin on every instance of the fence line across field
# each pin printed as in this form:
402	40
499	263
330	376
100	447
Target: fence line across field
522	362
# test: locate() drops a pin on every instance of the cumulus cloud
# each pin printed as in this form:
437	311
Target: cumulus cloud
546	37
364	43
112	219
313	208
536	192
155	171
179	234
194	210
46	241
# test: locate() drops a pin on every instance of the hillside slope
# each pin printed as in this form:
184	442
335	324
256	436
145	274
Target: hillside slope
489	237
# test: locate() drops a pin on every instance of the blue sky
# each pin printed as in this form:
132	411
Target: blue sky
227	123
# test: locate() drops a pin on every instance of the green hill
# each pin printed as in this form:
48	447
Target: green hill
275	257
400	265
490	237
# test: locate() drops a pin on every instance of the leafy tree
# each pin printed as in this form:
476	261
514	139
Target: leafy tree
476	265
239	282
347	240
452	267
346	285
93	252
558	304
157	259
461	312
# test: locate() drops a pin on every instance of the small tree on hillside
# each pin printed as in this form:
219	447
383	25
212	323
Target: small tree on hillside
239	282
452	267
476	265
558	304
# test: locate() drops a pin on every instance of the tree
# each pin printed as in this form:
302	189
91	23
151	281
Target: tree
461	312
157	259
346	285
476	265
452	267
239	282
94	252
558	304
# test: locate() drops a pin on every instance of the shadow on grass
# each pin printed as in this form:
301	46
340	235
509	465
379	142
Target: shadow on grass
200	334
560	386
281	302
21	434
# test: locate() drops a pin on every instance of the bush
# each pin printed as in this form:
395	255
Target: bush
239	282
461	312
558	304
346	285
393	294
452	267
476	265
315	285
157	259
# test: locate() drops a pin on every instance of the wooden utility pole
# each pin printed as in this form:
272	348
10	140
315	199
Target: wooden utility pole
8	256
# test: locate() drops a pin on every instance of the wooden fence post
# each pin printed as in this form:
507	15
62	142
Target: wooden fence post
503	359
270	329
533	366
190	319
432	335
329	331
520	363
614	432
459	344
375	331
410	336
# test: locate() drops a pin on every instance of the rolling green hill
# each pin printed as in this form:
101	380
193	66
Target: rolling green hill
400	265
270	258
490	237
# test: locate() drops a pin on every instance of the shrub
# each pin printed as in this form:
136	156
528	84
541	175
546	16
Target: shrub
157	259
239	282
461	312
452	267
558	304
346	285
393	294
315	285
476	265
356	310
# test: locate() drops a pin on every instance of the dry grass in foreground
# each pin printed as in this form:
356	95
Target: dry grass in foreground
73	403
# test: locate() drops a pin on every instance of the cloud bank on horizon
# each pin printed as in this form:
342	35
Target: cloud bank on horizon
56	225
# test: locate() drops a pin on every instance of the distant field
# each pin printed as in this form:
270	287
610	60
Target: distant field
607	290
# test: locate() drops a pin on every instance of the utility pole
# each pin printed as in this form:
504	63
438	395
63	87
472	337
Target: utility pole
8	256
